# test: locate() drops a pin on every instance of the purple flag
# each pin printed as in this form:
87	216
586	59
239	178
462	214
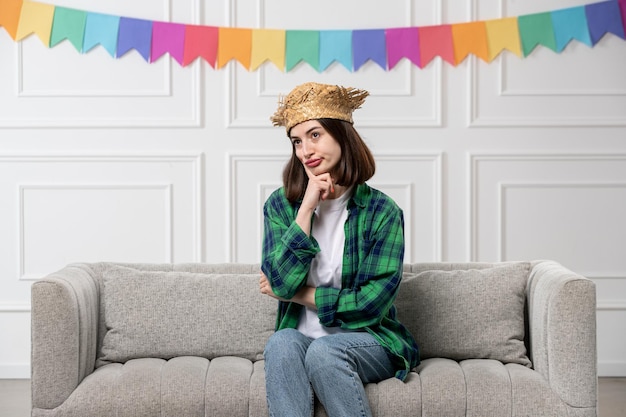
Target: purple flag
602	18
134	34
369	44
403	43
168	37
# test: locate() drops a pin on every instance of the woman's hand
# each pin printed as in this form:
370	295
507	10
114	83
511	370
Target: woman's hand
305	296
320	187
266	288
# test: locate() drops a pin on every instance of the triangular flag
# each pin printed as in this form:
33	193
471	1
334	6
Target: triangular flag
268	44
402	43
68	24
536	29
436	41
134	34
503	34
569	24
36	18
168	38
470	38
201	41
101	29
369	44
605	17
335	45
10	16
234	43
302	45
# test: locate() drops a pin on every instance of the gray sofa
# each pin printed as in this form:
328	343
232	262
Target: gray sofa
496	339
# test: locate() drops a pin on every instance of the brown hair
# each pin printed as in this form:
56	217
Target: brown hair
356	166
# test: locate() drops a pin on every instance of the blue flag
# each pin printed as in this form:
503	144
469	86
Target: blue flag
134	34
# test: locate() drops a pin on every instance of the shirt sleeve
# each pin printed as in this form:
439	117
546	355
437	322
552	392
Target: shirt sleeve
372	291
287	250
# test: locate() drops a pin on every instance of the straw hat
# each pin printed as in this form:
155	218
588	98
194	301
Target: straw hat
317	101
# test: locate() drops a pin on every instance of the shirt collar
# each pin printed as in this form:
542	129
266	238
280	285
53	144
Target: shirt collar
361	194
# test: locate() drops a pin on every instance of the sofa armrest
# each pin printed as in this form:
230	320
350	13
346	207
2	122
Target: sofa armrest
64	333
562	325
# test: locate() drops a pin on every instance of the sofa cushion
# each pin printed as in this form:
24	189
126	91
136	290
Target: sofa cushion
156	314
467	314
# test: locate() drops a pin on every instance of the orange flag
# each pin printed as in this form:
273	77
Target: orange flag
470	38
10	15
234	43
503	34
36	18
268	44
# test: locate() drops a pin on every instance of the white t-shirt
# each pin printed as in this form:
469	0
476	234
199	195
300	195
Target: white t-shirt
328	229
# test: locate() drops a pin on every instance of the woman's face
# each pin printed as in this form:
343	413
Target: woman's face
318	151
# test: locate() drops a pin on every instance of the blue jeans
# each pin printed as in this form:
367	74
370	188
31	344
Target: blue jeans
334	367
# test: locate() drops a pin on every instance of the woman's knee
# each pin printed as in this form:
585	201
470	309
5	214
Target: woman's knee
324	354
286	343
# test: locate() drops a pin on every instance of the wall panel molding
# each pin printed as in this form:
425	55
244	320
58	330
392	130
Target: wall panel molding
475	159
436	185
181	171
503	187
611	368
15	370
168	219
233	181
14	308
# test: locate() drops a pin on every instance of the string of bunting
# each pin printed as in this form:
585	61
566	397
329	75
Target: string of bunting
319	48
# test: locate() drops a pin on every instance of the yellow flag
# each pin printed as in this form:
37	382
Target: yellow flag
503	34
36	18
268	44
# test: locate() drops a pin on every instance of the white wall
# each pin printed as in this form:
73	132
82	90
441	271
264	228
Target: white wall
104	159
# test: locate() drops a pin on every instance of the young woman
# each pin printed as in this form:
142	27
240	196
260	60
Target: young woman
333	251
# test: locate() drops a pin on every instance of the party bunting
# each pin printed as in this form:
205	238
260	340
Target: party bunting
436	41
268	44
68	24
201	41
134	34
570	24
470	38
536	29
234	43
319	49
168	38
35	18
10	11
335	46
369	45
101	29
402	43
502	34
302	45
606	17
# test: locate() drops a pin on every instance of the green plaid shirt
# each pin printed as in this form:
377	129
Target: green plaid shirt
371	272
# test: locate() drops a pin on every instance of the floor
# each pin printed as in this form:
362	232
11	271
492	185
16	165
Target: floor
15	397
